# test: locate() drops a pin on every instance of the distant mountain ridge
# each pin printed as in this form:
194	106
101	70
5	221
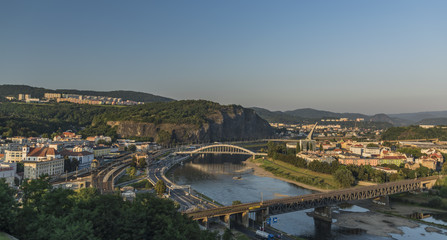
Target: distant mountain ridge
313	113
420	116
433	121
14	90
310	115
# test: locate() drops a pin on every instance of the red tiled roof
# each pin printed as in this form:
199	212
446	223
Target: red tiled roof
41	152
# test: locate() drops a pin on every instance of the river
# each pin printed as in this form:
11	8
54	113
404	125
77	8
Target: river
225	179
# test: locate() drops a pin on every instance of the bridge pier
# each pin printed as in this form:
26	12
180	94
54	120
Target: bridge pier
205	223
261	215
243	219
226	219
383	200
322	221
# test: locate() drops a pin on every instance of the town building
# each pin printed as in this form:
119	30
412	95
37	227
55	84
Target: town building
52	95
396	160
433	161
14	156
34	169
8	172
84	158
40	161
359	161
101	151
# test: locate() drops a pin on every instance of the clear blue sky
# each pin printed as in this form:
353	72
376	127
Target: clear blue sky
344	56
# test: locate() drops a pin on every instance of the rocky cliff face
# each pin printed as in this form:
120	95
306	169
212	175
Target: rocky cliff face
233	123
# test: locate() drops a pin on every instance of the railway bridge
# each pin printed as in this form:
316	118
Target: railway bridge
319	201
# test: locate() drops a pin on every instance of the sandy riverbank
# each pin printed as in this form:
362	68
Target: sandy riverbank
373	223
380	224
261	172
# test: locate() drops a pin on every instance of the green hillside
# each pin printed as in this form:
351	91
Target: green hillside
15	90
414	132
178	120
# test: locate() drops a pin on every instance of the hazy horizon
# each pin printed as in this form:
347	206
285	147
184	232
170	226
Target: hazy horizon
340	56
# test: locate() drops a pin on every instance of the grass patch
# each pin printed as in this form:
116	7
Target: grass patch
306	176
126	178
254	145
143	184
3	236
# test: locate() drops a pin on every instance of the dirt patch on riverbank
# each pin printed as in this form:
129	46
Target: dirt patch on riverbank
261	172
381	220
373	223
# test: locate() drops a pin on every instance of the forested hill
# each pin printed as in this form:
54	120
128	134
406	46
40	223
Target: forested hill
14	90
414	132
165	122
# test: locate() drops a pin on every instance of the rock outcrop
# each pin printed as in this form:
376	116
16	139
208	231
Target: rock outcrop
228	124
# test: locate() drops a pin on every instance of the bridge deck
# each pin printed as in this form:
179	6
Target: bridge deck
289	204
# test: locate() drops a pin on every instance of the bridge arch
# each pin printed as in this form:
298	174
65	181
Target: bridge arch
222	149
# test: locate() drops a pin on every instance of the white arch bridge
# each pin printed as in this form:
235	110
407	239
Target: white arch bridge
222	149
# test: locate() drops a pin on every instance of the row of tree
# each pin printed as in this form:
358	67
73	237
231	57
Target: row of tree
414	132
47	213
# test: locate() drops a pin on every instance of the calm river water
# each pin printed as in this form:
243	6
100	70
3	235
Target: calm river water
225	179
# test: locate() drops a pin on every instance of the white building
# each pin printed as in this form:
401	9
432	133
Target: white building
357	149
14	156
8	172
34	169
84	158
41	161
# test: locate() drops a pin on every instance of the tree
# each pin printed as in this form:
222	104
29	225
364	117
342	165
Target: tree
228	234
131	171
147	185
372	145
132	148
134	161
344	177
20	167
236	202
444	168
164	137
142	163
415	152
70	165
298	148
160	187
33	190
86	214
7	207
